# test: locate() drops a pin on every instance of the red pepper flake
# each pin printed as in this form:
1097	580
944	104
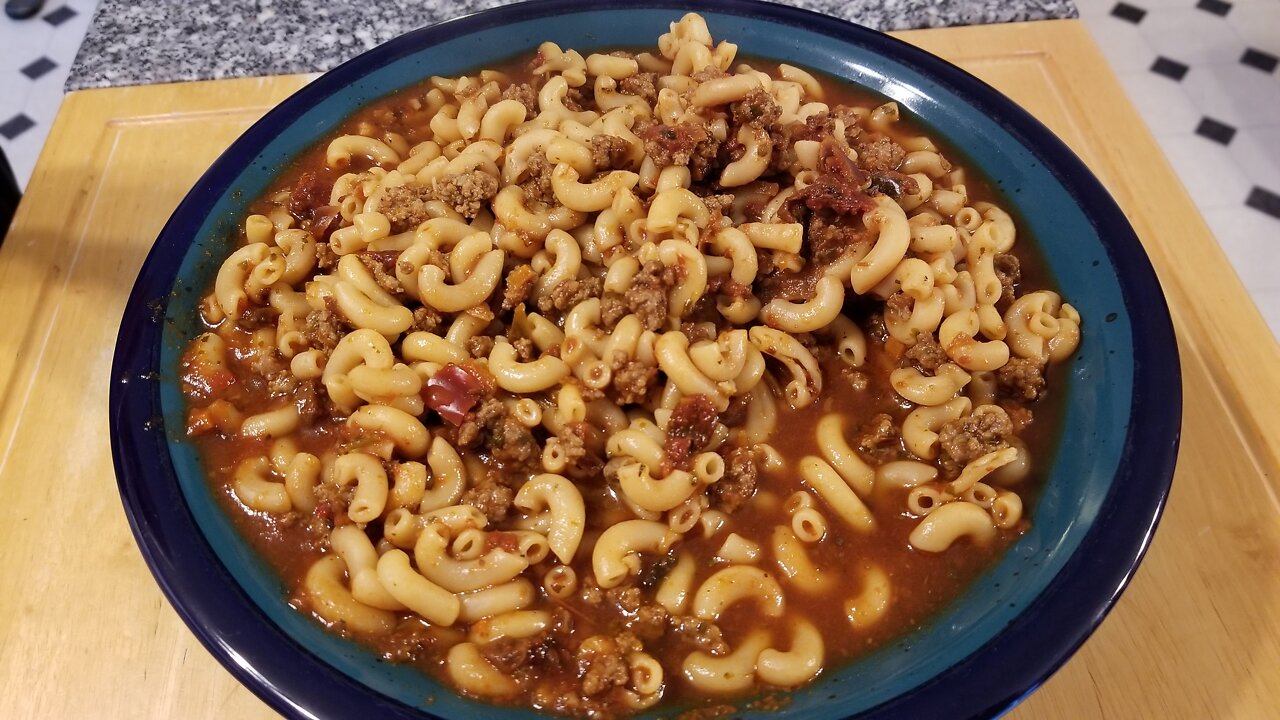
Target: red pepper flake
454	391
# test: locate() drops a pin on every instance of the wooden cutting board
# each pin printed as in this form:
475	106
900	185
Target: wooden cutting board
85	632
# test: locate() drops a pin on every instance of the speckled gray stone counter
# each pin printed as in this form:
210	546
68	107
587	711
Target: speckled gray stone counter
137	43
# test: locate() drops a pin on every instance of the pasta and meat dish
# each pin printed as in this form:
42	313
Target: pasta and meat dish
626	378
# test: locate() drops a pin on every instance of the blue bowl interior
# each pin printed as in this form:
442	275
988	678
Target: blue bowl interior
1041	179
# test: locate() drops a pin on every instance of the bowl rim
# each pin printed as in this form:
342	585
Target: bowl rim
208	599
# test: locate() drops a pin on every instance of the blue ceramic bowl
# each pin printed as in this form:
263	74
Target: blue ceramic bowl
1018	623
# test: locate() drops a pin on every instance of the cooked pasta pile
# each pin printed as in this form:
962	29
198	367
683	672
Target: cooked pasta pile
542	381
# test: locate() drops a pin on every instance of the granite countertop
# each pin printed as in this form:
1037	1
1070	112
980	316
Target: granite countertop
133	43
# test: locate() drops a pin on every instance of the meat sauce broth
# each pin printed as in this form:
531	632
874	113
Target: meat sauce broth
323	469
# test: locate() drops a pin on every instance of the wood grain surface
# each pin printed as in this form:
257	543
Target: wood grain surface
85	632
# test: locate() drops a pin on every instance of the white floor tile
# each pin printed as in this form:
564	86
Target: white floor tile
1234	93
43	102
14	89
1191	36
67	40
1122	43
1099	8
21	43
1159	5
1207	170
1257	151
1249	239
1161	102
1094	8
1269	303
1257	22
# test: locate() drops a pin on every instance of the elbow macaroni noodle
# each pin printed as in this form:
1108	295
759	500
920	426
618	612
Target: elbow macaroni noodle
652	340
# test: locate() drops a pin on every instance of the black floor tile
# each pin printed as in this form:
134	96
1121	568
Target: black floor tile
15	126
1171	69
1216	131
59	16
1264	61
39	68
1264	200
1125	11
1217	7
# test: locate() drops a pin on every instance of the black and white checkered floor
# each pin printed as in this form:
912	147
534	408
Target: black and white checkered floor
1204	74
35	57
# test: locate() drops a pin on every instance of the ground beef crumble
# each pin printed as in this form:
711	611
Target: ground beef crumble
673	144
878	439
757	108
632	381
537	182
625	598
583	463
1009	271
491	427
650	622
613	307
831	236
525	349
1021	379
525	95
490	497
406	206
642	85
602	663
467	192
610	152
882	154
480	346
382	267
326	258
969	438
898	307
425	319
698	634
568	293
324	328
519	284
647	296
926	355
741	474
